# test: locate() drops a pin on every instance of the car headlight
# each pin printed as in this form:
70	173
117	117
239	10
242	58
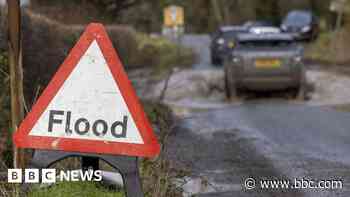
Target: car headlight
298	59
255	31
284	27
231	44
306	29
220	41
236	59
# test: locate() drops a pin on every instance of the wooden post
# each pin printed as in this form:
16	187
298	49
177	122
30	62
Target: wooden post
16	74
217	11
338	26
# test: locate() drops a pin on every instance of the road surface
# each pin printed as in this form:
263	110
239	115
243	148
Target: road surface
223	147
222	144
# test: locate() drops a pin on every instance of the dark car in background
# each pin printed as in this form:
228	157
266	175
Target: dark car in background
302	24
264	30
223	41
258	23
265	62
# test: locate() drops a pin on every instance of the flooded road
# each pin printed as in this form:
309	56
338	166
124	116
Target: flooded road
221	143
204	89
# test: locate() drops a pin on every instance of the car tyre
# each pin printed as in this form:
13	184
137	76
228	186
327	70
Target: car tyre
215	61
301	92
230	84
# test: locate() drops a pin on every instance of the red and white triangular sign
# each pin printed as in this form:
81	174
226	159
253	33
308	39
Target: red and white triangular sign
89	106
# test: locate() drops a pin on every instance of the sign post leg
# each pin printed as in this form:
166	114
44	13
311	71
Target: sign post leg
132	185
127	166
129	172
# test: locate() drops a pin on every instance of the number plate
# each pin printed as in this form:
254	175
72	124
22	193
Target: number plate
267	63
231	45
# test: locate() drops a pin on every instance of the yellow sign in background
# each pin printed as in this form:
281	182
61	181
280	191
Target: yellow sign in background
173	16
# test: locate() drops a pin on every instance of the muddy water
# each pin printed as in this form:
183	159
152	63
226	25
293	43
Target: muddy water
204	89
220	143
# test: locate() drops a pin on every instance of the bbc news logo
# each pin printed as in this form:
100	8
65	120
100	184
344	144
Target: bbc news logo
51	175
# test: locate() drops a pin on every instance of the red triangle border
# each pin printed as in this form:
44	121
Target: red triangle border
150	148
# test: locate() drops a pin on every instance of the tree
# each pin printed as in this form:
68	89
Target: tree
268	10
115	7
217	11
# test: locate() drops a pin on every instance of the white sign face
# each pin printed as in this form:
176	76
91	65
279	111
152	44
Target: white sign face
89	105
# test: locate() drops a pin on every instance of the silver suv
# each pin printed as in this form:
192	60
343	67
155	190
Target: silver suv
263	62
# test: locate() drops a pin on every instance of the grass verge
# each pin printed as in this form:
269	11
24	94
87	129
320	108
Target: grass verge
74	189
5	135
163	54
342	108
55	40
157	174
329	48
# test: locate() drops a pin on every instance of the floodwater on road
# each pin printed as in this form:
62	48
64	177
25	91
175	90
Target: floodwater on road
202	86
221	143
204	89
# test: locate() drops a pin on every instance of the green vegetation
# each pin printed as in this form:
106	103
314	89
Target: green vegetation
329	48
159	52
54	41
332	46
342	108
157	174
5	142
200	15
319	50
9	189
74	189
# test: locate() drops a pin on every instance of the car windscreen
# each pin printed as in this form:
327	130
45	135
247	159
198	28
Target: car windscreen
258	23
230	34
265	43
298	18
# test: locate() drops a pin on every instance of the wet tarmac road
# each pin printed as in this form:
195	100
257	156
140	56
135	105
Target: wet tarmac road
223	147
222	144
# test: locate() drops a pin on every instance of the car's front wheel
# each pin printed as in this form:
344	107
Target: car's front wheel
215	61
302	89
